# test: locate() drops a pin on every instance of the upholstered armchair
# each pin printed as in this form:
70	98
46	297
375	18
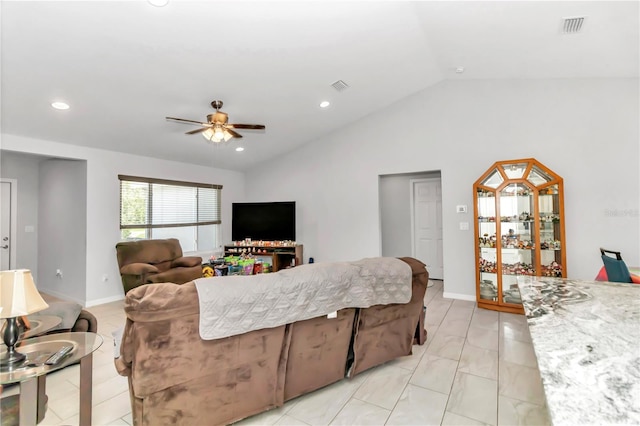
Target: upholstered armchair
155	261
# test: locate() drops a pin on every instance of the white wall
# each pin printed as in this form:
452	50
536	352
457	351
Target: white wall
62	236
102	198
24	168
585	130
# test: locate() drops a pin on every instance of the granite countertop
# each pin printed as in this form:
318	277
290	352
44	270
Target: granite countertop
586	336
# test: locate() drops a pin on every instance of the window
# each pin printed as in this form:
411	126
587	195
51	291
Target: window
157	208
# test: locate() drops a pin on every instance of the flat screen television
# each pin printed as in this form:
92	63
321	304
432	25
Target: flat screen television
269	221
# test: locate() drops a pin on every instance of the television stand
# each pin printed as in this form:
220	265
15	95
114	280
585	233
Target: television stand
282	256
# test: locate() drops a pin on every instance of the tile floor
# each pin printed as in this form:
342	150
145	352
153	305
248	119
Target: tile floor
477	368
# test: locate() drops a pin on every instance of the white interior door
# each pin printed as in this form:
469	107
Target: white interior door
426	224
7	223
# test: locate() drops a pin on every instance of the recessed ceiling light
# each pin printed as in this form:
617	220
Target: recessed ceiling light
239	149
324	104
459	70
158	3
60	105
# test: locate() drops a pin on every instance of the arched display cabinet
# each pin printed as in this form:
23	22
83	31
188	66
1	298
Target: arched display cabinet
519	230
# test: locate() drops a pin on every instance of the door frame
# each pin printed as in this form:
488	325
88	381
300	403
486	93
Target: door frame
412	183
13	226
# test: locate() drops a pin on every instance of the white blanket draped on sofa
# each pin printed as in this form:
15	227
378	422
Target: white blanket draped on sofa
231	305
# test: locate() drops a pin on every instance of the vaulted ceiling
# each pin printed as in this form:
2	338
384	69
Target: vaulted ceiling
124	66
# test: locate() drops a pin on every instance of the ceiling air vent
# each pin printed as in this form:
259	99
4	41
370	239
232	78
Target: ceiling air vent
340	86
572	25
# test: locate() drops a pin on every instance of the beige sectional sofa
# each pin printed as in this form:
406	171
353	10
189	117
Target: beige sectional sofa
175	377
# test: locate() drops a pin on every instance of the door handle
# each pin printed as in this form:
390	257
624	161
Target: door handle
6	246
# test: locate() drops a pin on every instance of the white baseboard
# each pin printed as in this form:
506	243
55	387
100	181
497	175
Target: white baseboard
104	300
467	297
60	295
82	302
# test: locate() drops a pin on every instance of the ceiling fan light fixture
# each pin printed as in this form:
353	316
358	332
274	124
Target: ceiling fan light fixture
210	136
218	133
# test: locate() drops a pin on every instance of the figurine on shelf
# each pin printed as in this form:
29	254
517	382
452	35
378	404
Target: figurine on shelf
510	240
554	269
482	263
550	217
487	266
524	216
518	268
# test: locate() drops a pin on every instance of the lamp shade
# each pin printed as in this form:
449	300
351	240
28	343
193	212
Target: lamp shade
18	294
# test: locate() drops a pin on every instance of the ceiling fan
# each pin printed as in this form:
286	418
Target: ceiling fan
217	128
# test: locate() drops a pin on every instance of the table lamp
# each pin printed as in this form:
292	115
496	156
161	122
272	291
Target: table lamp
18	296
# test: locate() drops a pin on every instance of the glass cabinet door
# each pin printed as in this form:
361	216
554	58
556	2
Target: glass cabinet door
517	242
487	242
550	236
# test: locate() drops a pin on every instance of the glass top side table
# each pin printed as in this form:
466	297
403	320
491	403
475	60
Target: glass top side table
33	369
39	325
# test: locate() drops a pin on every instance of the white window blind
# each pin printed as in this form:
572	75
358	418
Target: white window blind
148	206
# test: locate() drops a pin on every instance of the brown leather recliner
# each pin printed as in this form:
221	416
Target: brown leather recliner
155	261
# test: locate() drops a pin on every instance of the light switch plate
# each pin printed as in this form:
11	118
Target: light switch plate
464	226
461	208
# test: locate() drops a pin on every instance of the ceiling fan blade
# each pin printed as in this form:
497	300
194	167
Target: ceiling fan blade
182	120
234	134
247	126
193	132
